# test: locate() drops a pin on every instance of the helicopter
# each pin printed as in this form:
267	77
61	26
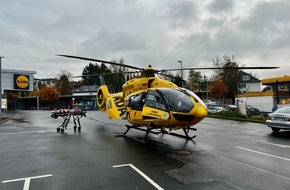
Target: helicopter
152	104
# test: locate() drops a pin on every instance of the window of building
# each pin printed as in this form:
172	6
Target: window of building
246	77
242	85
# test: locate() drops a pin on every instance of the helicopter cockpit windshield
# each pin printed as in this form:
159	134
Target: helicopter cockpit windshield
193	95
176	100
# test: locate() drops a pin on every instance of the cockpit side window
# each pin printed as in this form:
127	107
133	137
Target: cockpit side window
137	102
154	100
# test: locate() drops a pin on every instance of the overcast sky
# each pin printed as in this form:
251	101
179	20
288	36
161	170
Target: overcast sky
142	32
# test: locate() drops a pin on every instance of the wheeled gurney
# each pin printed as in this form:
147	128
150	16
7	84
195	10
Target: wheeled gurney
66	114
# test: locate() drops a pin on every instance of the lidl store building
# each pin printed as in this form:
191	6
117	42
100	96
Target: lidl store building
13	83
16	85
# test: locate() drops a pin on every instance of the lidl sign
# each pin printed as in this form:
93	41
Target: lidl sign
21	82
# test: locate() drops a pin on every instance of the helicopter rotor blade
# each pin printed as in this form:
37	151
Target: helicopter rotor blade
98	74
101	61
159	71
207	68
171	76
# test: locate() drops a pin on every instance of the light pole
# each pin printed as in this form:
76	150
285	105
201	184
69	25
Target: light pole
181	71
206	81
0	88
37	102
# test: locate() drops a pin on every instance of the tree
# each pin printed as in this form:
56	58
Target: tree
217	88
114	75
228	73
64	86
48	94
91	71
178	80
204	83
63	83
66	73
167	75
193	81
117	79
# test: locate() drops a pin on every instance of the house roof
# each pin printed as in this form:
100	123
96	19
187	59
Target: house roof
252	78
18	71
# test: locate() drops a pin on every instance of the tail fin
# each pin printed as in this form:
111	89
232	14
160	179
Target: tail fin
112	103
102	94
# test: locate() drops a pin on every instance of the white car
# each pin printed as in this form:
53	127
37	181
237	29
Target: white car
280	119
215	109
209	103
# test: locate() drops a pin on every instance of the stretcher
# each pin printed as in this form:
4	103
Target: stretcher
67	114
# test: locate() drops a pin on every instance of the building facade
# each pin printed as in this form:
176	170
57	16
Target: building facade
13	84
248	83
276	95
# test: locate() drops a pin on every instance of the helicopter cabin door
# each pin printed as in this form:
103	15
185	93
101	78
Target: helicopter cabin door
154	107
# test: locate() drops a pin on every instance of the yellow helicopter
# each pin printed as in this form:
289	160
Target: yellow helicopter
152	104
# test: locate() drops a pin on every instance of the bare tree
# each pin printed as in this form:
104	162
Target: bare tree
63	83
228	73
118	78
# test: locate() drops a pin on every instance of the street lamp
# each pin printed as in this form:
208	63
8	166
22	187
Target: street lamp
37	102
0	88
205	79
181	71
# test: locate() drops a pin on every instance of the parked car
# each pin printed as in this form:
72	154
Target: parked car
280	119
215	109
209	103
252	111
231	108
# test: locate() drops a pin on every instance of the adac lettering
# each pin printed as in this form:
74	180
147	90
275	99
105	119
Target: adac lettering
121	107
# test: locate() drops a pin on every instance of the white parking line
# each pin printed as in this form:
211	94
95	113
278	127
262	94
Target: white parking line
142	174
26	180
275	144
266	154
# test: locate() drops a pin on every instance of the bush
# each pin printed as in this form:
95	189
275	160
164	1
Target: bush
235	115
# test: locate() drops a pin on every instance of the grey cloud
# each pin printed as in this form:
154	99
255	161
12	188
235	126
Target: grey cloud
109	42
220	6
268	26
141	32
268	17
182	13
214	23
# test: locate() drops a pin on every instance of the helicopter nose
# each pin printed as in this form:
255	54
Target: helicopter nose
201	112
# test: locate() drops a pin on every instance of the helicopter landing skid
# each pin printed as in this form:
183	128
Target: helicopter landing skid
185	130
147	130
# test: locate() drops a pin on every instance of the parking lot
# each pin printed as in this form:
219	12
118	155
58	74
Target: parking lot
225	155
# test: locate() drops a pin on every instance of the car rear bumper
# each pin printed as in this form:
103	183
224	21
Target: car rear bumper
278	124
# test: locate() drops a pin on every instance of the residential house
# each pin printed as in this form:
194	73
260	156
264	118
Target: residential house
248	83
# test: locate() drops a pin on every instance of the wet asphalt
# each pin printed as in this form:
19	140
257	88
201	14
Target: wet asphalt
225	155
